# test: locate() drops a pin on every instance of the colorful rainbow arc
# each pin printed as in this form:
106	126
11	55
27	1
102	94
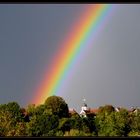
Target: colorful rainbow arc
79	36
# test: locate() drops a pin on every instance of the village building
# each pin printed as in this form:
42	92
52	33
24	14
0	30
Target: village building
72	112
85	110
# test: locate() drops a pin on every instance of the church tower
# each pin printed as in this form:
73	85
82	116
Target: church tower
83	109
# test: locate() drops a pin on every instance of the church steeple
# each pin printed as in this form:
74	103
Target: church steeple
84	100
84	108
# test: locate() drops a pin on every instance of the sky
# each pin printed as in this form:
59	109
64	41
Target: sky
30	37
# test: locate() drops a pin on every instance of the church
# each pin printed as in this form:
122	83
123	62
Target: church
85	110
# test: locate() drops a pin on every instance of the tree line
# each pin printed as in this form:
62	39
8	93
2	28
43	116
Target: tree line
53	119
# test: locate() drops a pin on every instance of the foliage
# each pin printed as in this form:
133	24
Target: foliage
40	125
10	115
15	111
24	114
53	119
122	122
6	121
135	123
134	133
75	132
76	122
31	109
113	124
106	109
90	122
20	129
57	105
59	133
40	109
64	124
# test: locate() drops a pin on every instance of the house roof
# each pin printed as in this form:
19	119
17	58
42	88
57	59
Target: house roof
72	111
92	110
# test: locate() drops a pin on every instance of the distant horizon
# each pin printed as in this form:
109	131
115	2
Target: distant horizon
78	111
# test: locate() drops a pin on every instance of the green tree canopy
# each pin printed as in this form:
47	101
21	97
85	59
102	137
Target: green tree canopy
31	109
57	106
106	108
10	116
113	124
41	125
135	123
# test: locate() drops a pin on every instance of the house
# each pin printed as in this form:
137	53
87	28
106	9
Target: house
85	110
93	110
72	112
134	110
117	109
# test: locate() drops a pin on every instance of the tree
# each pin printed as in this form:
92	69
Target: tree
25	114
10	115
6	120
57	106
20	129
113	124
105	124
91	122
85	125
123	122
15	110
59	133
40	109
76	122
64	125
41	125
31	109
75	132
135	123
106	109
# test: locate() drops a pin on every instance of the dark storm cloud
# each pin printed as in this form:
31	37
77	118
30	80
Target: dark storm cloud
30	36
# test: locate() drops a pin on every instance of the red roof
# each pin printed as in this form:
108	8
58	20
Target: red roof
92	110
72	111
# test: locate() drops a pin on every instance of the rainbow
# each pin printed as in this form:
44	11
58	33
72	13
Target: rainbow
91	20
